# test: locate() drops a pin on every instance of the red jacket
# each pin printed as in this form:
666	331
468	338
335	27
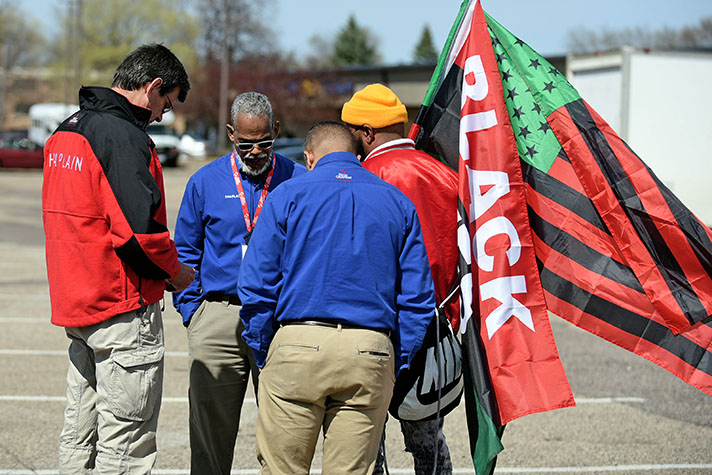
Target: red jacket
107	246
432	187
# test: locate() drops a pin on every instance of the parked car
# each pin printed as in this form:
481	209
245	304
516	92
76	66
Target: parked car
167	144
45	118
192	147
292	148
20	152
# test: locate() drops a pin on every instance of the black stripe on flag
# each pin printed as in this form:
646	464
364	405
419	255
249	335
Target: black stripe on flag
441	121
567	245
627	321
647	231
562	194
695	231
473	352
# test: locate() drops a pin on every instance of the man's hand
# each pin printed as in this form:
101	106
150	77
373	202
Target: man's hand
185	276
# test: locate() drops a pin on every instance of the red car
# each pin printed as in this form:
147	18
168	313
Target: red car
21	154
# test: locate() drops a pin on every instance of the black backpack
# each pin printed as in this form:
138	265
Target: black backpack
432	386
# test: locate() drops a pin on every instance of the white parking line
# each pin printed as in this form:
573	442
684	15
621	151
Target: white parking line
606	400
25	295
22	352
601	468
46	320
24	320
184	400
498	470
24	398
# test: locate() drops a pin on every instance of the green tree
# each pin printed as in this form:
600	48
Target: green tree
20	45
98	34
355	46
425	52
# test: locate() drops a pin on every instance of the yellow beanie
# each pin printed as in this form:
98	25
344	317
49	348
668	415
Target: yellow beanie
375	105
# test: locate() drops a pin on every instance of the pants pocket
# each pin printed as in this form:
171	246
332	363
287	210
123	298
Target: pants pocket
136	383
196	316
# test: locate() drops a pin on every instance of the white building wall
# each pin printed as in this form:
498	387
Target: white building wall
670	123
602	90
660	105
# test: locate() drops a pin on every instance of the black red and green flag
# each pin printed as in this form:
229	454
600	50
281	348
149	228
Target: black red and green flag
556	213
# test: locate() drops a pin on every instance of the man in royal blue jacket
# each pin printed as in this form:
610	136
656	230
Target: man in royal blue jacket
221	205
337	295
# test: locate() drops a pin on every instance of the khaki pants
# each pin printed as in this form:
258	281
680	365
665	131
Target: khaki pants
114	387
338	380
220	366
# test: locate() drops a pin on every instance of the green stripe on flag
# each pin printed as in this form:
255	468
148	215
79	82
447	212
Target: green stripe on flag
533	89
435	79
486	443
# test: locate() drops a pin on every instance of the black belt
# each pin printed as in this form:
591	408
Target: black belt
324	323
221	297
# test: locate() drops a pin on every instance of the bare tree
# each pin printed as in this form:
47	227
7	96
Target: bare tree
320	52
584	40
232	29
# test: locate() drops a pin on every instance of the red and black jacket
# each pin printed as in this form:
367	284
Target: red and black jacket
107	246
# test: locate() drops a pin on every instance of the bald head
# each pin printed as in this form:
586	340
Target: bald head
325	138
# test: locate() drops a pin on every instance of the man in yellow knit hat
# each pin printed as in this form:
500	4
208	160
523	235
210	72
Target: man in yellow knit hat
377	119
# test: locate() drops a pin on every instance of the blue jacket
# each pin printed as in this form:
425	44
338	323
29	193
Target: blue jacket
210	228
340	244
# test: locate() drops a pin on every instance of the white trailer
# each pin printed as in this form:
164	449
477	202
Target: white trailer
45	118
658	102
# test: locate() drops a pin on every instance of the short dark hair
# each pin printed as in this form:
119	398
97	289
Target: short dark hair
148	62
333	132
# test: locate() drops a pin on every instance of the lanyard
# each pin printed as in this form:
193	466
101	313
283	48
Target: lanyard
241	193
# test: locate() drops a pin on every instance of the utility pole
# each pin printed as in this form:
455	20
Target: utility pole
68	53
4	79
79	39
224	77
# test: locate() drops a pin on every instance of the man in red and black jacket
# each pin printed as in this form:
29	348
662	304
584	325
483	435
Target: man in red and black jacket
109	259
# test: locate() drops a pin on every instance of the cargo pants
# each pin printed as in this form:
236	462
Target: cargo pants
114	387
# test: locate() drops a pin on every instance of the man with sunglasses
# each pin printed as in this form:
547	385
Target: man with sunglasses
220	208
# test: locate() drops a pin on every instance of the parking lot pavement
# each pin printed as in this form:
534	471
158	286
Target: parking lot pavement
632	417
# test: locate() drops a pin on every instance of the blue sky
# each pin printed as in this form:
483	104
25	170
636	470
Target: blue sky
397	24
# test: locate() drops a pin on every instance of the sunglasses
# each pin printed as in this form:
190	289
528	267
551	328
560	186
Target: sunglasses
247	146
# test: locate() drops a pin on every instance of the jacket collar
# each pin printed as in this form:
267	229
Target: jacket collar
103	99
397	144
337	157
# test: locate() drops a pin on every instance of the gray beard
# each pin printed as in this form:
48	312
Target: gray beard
249	171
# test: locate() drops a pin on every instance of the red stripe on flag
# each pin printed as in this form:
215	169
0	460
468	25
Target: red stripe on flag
595	283
627	239
564	172
620	295
648	350
573	224
611	291
654	203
